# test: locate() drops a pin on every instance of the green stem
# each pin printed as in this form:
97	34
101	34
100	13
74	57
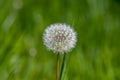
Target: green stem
62	67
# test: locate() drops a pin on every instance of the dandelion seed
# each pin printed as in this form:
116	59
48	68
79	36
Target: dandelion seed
59	38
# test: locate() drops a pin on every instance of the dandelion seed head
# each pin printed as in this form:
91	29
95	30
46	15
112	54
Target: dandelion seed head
59	38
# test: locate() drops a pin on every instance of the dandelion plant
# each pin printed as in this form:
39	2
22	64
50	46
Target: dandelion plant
60	38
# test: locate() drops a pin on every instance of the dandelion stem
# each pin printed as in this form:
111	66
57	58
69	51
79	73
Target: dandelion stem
57	66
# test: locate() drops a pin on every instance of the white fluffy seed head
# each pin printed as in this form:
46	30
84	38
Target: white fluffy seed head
59	38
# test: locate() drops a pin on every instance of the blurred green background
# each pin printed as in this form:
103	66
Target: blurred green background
24	57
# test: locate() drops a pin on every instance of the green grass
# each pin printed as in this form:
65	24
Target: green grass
24	57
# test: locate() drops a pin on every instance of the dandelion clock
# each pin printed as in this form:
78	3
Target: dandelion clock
60	38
